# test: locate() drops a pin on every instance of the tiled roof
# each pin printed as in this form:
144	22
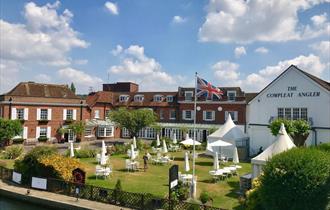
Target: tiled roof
319	81
32	89
99	97
250	96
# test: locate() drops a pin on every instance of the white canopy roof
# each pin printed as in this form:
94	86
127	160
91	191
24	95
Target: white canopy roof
190	142
228	132
283	143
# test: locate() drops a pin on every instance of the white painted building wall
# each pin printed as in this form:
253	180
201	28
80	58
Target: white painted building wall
264	106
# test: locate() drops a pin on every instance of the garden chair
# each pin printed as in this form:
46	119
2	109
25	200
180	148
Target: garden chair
128	164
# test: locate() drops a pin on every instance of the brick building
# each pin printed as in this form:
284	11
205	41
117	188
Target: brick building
43	109
174	109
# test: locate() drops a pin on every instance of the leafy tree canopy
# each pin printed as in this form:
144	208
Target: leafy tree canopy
9	129
133	120
72	87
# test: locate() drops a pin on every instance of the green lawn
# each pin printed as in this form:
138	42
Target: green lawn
155	180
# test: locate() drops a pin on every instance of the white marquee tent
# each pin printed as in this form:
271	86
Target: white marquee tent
230	133
281	144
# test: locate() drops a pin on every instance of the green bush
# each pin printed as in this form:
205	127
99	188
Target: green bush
254	197
18	141
204	197
85	153
181	193
13	152
153	143
296	179
43	139
324	147
119	149
29	165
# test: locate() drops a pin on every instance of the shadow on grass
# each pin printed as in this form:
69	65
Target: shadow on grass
208	181
179	159
234	191
204	163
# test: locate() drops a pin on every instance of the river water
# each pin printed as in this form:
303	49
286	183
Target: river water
12	204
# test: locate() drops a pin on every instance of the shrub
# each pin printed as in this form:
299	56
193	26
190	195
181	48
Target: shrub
324	147
57	166
18	141
181	193
43	139
296	179
29	165
118	186
13	152
253	196
154	143
119	149
85	153
204	197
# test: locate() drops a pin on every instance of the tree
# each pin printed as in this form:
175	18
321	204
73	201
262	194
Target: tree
72	87
297	129
133	120
78	128
9	129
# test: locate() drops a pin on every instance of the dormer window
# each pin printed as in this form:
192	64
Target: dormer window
169	98
123	98
138	98
188	95
231	94
158	98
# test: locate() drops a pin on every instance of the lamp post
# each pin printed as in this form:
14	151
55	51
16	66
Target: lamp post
10	101
81	105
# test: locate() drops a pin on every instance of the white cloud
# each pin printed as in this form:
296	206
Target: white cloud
46	38
272	20
137	67
225	70
112	8
228	73
262	50
239	51
9	72
319	20
81	79
43	78
117	51
178	19
323	49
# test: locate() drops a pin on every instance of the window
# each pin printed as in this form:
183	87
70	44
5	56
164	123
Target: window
20	114
88	131
69	114
43	132
169	98
158	98
96	114
107	112
188	95
303	114
138	98
105	131
231	95
70	135
280	113
208	115
172	114
123	98
287	113
161	114
43	114
295	113
187	115
233	114
292	113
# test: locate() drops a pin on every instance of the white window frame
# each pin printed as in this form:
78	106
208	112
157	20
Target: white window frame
161	114
186	93
105	131
205	115
43	114
184	114
138	98
20	113
96	114
43	132
170	114
229	92
234	116
280	112
123	98
88	132
169	98
69	114
107	112
158	98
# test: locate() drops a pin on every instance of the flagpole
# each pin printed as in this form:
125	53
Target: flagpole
195	115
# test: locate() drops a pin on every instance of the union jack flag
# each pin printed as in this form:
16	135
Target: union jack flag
205	88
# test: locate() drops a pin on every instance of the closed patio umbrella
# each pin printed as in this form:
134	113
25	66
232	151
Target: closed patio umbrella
158	141
132	152
104	149
71	150
174	139
216	162
164	149
235	157
103	159
186	162
134	142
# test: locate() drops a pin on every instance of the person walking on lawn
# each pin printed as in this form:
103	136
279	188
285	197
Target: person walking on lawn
145	161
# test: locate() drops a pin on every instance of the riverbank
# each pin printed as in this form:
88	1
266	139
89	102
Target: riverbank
52	200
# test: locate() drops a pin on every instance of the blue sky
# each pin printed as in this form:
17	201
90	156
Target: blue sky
160	44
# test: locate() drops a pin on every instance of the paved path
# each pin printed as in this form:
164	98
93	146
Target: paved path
52	197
